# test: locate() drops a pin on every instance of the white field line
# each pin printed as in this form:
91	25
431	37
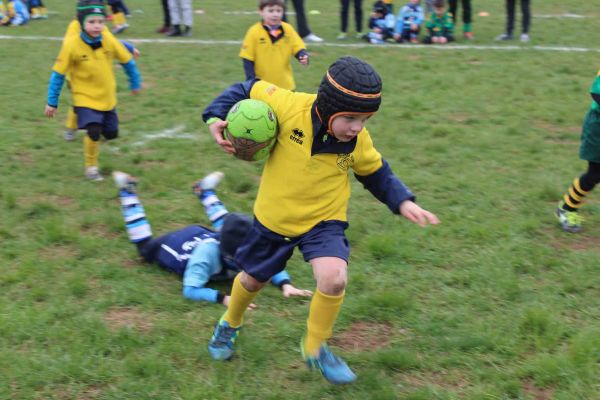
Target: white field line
567	49
178	132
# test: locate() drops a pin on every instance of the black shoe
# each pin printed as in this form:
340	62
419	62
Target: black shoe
175	31
187	32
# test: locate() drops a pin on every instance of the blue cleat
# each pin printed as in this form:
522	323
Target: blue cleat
223	340
333	368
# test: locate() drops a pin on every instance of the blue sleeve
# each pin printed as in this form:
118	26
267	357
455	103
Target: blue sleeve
135	79
281	279
386	187
390	23
200	294
203	263
400	21
130	47
420	16
220	106
54	88
249	69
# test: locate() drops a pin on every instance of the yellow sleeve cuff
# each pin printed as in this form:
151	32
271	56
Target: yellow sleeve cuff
212	120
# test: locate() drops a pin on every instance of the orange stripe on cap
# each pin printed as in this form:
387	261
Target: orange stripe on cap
350	92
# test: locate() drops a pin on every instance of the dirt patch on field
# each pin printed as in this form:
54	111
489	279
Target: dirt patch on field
452	380
117	318
578	241
364	336
58	252
535	392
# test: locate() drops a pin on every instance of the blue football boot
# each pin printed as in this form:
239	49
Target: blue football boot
332	367
221	345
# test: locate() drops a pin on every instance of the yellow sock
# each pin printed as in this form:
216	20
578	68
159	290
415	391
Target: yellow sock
119	19
71	119
323	312
91	150
238	303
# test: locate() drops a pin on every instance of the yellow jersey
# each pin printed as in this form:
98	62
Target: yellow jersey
299	189
90	71
272	58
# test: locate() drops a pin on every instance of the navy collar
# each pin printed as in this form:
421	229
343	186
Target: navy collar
323	142
276	38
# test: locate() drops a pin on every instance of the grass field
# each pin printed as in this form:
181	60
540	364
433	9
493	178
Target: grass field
495	303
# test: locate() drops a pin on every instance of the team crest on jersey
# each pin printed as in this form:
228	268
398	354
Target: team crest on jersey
297	136
345	161
271	89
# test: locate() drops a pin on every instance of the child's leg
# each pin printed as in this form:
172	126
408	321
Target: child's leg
526	15
214	208
581	187
466	4
119	19
187	13
137	226
70	125
91	144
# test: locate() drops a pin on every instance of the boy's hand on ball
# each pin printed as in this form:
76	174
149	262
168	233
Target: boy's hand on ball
216	130
416	214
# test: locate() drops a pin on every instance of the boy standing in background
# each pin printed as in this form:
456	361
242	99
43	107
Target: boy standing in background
87	58
268	46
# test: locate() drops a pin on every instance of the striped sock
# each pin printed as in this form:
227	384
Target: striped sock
138	227
214	208
574	197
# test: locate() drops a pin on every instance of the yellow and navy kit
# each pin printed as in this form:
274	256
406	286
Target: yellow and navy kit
90	70
271	56
305	179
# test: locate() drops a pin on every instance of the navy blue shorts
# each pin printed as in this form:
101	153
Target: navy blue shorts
108	119
264	253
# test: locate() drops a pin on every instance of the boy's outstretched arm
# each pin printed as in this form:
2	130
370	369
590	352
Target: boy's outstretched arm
204	263
416	214
284	282
390	190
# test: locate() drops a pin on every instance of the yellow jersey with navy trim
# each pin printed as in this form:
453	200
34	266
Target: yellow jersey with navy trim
91	72
272	58
298	189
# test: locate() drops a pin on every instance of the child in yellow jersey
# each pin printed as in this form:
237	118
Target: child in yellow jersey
303	198
87	58
268	46
74	28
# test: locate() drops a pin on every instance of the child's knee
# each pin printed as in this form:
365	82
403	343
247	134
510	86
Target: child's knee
111	135
94	131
